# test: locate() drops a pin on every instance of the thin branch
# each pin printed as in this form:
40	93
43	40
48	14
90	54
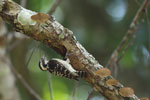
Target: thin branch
138	3
125	49
50	86
128	45
114	56
148	28
75	90
23	3
22	80
18	75
90	95
54	6
29	59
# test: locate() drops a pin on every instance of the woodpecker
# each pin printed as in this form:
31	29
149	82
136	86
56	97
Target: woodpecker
61	68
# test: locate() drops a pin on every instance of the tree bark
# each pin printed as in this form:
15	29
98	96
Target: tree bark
62	40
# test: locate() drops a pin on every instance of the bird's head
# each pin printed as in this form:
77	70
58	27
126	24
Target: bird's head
43	64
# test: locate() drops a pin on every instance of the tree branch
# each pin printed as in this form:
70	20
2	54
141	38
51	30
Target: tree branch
114	57
62	40
23	81
55	5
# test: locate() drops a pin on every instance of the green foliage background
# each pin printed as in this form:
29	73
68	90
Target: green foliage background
99	32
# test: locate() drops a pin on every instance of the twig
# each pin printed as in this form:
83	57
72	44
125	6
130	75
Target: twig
128	45
114	56
125	49
22	80
55	5
90	95
27	64
50	86
148	24
23	3
137	2
17	74
75	90
131	41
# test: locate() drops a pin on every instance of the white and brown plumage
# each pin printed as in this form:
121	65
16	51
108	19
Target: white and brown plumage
60	68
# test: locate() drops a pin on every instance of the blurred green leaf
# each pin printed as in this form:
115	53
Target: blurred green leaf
39	5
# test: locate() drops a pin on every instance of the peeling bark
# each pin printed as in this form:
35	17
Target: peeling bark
62	40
